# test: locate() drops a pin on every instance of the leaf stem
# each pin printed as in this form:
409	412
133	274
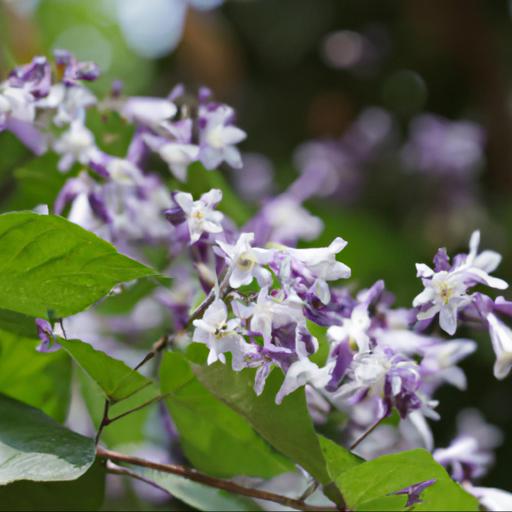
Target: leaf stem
104	421
196	476
359	440
138	408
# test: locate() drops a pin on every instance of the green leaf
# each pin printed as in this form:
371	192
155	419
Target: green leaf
117	380
85	493
287	427
198	496
125	301
113	134
37	182
376	479
18	324
39	380
337	458
51	264
35	447
213	436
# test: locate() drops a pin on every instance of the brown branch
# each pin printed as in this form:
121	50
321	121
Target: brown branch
196	476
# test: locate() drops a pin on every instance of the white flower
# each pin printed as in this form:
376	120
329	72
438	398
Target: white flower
322	265
70	102
218	139
246	261
304	372
440	360
487	261
322	261
152	112
446	290
501	338
353	329
75	145
177	155
289	221
217	332
494	500
369	372
18	103
201	216
268	312
124	172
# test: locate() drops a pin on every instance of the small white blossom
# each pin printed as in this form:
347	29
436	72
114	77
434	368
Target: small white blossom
152	112
501	338
440	360
75	145
217	332
446	291
218	139
304	372
322	265
177	155
18	103
289	221
201	216
353	329
322	261
246	261
268	312
70	102
494	500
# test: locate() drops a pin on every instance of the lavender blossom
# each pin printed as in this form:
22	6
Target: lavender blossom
200	215
35	78
47	336
75	145
217	332
445	291
246	261
413	492
443	147
218	138
471	453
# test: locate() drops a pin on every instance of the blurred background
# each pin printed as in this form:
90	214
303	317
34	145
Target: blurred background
401	109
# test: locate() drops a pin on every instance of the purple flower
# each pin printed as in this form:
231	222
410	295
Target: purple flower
218	138
445	291
443	147
413	492
35	77
45	334
470	454
75	70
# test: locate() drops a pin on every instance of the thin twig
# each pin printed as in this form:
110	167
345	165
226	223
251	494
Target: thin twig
359	440
139	407
104	420
116	470
157	347
217	483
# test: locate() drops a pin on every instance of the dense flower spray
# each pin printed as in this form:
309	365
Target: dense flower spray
274	306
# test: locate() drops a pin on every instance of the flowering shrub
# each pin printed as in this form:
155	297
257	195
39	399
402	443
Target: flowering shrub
266	363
